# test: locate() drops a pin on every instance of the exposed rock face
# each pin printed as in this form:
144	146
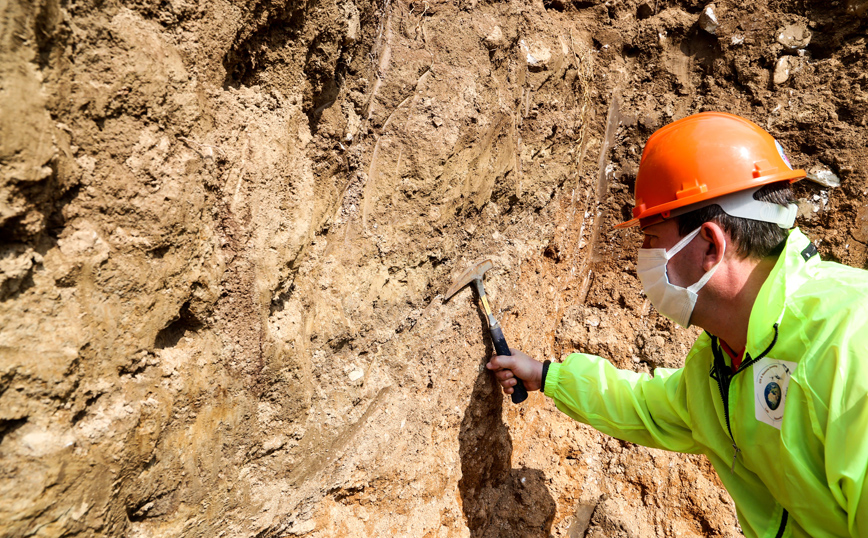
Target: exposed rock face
227	227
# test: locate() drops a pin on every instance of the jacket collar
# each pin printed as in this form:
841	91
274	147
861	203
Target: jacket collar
787	275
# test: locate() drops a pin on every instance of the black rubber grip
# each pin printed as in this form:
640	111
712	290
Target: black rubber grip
519	393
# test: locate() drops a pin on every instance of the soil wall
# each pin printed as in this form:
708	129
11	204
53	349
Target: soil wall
227	227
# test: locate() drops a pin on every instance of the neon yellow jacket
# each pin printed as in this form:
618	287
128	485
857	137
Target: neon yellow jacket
797	473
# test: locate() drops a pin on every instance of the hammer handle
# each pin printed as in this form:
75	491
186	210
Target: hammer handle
519	393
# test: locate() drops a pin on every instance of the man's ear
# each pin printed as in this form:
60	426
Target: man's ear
713	233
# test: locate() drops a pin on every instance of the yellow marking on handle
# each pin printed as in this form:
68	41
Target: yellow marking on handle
485	305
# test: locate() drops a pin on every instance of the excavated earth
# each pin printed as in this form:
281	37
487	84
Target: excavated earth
228	226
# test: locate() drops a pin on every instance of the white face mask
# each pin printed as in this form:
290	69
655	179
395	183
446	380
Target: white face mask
674	302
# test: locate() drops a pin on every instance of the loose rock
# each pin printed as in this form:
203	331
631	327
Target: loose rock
495	39
16	263
785	66
538	56
708	20
794	36
824	177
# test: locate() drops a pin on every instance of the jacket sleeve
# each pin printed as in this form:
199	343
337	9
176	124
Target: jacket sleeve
649	411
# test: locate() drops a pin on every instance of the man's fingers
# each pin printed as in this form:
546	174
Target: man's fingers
503	375
502	366
499	362
509	369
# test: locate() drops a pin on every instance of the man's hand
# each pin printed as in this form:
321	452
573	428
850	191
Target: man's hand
507	368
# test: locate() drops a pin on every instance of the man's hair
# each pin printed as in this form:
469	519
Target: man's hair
751	238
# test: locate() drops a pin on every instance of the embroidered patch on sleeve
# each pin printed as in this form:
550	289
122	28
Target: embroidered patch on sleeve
771	379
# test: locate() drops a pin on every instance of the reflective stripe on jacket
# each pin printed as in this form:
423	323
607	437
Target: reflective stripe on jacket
797	408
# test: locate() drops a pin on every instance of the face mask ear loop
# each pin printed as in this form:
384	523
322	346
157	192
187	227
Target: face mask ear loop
707	276
681	244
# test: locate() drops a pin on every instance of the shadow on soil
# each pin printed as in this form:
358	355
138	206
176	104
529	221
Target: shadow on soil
497	500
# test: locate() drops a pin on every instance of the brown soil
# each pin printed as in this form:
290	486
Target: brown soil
227	228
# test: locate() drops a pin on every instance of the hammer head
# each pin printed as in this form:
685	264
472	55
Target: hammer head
475	272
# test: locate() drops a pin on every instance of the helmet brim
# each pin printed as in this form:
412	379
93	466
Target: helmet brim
660	213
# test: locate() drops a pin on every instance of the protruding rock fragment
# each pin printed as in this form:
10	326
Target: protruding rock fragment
495	39
353	22
824	177
794	36
538	56
784	67
708	20
16	264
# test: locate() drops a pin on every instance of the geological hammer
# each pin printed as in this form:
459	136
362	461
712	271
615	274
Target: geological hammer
474	274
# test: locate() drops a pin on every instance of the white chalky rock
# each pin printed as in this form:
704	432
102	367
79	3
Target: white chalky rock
538	56
824	177
708	20
785	66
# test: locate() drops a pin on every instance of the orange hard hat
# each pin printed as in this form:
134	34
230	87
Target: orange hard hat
702	157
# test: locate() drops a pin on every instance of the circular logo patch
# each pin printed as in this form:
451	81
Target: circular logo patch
773	395
771	382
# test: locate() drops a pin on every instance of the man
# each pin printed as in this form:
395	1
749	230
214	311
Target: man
775	392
